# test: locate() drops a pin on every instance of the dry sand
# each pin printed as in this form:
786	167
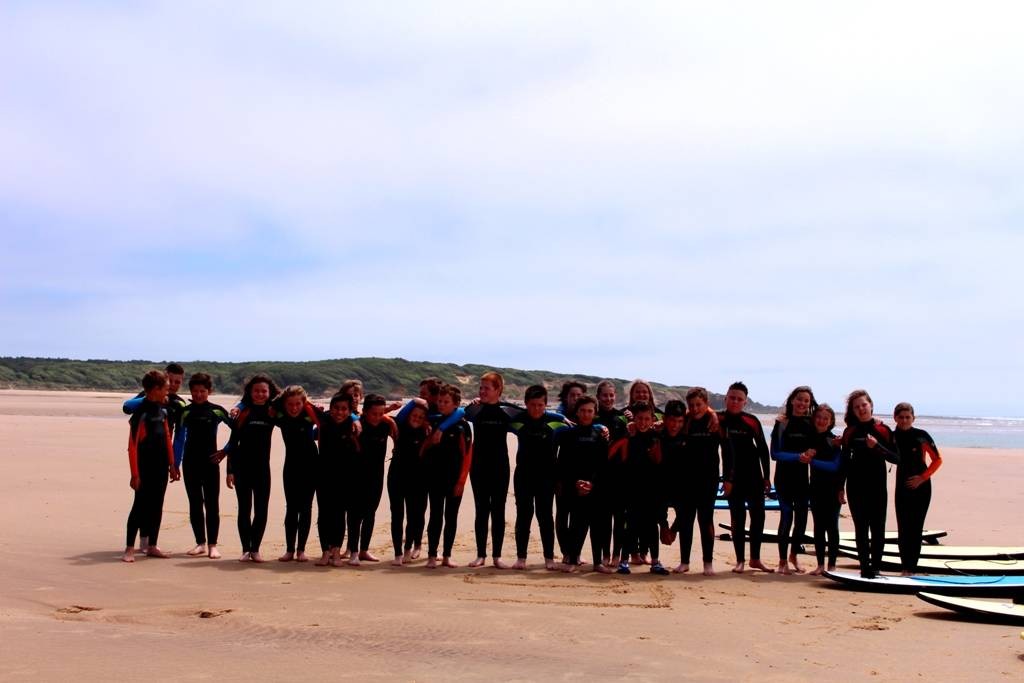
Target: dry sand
69	607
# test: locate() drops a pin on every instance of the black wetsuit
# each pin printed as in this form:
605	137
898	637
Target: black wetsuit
490	470
534	481
863	470
298	475
613	494
699	485
746	466
336	462
249	463
582	456
792	479
150	456
367	484
912	504
443	464
407	487
175	406
825	505
197	435
643	494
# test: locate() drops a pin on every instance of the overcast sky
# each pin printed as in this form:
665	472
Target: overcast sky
784	193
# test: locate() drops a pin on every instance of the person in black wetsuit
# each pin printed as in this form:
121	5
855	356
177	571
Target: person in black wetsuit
447	463
745	473
791	450
699	480
336	462
567	397
641	457
919	459
490	473
612	495
581	463
150	458
534	482
407	487
248	453
298	422
867	446
195	442
367	481
826	493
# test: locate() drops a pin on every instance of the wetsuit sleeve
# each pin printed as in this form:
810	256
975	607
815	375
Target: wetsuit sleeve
845	454
402	414
170	444
827	462
135	435
180	436
728	456
929	448
131	405
452	419
887	445
762	451
777	453
467	458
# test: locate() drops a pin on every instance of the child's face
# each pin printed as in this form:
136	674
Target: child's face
425	392
674	423
259	393
641	394
862	408
697	406
585	414
573	396
174	382
904	420
357	395
445	405
417	417
200	394
606	398
489	392
374	414
644	420
340	411
822	421
293	405
535	407
735	401
158	394
802	403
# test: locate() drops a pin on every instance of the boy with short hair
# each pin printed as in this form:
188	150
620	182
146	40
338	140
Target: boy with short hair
336	457
151	458
367	485
447	465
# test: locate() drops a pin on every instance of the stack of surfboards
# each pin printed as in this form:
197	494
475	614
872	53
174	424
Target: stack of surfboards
946	559
846	538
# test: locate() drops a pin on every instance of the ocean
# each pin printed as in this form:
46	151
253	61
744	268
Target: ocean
956	432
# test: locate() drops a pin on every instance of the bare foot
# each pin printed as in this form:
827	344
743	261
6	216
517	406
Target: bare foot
478	562
569	567
682	568
415	553
739	567
520	563
447	562
324	560
353	560
337	562
200	549
602	569
154	551
344	554
431	563
246	557
550	564
635	559
129	555
783	568
708	569
796	565
758	564
143	543
500	563
397	562
817	571
831	568
214	554
301	557
905	573
407	557
257	557
287	557
644	560
367	556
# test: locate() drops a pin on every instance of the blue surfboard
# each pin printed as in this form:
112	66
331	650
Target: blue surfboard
970	586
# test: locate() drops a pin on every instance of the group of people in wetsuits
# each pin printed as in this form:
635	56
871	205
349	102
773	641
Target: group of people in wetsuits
589	468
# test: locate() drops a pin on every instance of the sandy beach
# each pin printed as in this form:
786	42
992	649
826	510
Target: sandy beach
69	607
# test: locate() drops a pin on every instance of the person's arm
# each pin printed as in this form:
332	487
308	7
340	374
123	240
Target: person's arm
618	448
402	414
886	445
132	404
133	452
180	436
467	459
929	449
172	466
452	419
828	460
762	453
777	454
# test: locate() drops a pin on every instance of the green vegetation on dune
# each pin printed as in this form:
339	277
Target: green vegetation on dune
393	377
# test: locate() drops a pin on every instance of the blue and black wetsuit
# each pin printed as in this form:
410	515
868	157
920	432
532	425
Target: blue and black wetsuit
150	456
335	466
912	504
175	406
249	462
444	467
792	481
407	485
194	442
367	484
299	434
863	469
825	489
746	465
582	456
534	481
490	470
698	485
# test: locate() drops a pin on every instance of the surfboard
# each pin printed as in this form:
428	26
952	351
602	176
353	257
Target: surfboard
948	552
964	586
769	504
931	536
985	610
933	566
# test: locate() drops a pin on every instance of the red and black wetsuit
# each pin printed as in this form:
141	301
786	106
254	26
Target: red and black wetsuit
582	456
863	471
298	474
746	465
698	485
336	458
490	471
197	434
792	479
150	457
912	504
407	486
444	464
249	462
367	484
534	481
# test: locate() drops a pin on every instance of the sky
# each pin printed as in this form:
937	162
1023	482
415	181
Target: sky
783	193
